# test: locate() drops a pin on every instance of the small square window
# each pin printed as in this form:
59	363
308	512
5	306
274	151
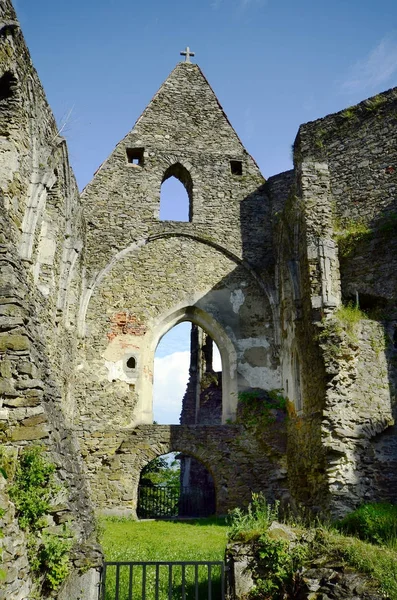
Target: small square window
135	156
236	167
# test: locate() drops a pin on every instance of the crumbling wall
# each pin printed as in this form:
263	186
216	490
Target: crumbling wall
344	198
239	459
40	237
210	270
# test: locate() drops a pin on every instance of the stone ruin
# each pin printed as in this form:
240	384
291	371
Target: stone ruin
90	282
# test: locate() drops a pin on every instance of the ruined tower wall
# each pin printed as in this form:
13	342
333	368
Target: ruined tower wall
344	199
40	233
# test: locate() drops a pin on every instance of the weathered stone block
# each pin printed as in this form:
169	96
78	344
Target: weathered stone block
29	433
15	342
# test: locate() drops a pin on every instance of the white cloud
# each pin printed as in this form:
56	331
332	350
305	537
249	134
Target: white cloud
171	374
376	70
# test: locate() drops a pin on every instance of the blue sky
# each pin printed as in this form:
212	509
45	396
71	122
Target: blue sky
273	65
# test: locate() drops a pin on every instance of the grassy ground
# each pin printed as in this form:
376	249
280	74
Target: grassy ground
127	540
202	539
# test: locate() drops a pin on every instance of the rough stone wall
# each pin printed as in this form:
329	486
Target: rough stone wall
238	460
341	214
40	233
155	270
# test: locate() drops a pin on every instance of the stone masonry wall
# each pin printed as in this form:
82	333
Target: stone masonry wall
40	238
155	270
346	192
239	461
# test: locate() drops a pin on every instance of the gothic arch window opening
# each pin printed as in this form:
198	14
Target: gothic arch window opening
187	377
176	195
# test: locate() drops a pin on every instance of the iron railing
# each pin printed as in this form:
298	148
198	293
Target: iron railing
163	580
172	501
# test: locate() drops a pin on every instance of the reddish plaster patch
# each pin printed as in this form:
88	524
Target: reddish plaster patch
123	323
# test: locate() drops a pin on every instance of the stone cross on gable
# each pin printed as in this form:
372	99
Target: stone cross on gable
187	53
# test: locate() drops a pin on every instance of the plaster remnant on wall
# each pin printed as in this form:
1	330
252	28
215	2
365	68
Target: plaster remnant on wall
237	300
245	344
266	378
117	371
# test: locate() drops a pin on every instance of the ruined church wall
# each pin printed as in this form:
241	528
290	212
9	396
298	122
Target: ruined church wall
40	235
126	317
148	271
346	181
240	460
40	195
302	369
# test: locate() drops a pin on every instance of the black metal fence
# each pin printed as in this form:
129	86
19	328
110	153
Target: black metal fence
179	580
165	501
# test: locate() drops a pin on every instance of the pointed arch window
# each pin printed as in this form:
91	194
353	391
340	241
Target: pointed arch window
176	198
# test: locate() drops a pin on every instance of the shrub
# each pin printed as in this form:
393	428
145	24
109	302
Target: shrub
33	487
376	523
32	491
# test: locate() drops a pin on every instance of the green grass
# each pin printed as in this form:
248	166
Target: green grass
321	545
201	539
196	540
375	523
379	562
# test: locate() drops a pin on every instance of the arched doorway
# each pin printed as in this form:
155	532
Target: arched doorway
175	485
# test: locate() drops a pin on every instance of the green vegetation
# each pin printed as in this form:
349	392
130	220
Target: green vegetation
349	113
32	491
196	540
374	103
349	234
160	471
199	539
350	316
278	561
252	523
375	523
258	408
319	138
33	488
344	319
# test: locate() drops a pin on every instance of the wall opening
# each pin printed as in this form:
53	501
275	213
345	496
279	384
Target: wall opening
176	196
236	167
175	485
8	85
135	156
187	378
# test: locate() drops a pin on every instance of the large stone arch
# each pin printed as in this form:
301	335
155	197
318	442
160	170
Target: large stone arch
263	283
144	411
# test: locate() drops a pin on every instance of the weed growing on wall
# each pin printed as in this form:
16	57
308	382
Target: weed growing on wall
349	234
259	408
251	523
32	492
278	563
345	319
